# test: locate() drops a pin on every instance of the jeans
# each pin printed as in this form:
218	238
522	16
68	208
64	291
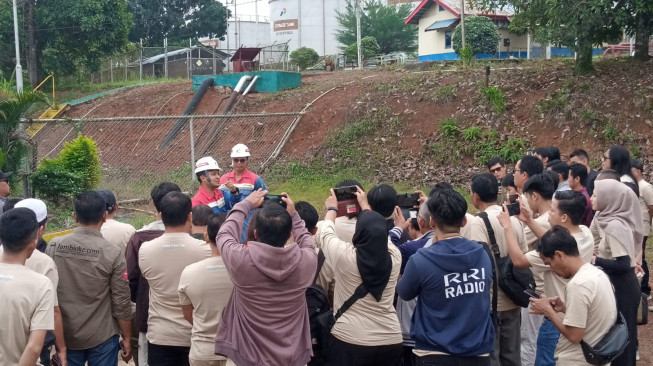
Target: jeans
105	354
547	341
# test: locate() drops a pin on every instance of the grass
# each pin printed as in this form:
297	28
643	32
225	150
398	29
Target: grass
69	90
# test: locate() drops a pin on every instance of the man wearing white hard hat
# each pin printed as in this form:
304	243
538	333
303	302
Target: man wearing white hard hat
240	182
220	200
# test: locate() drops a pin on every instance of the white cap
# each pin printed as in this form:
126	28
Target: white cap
206	163
240	151
35	205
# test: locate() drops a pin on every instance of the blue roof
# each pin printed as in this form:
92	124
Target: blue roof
441	24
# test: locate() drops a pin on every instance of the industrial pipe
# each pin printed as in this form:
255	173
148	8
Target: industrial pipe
206	84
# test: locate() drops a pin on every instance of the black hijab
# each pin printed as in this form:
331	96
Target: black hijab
372	257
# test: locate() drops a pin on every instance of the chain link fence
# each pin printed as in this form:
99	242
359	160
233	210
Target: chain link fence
134	158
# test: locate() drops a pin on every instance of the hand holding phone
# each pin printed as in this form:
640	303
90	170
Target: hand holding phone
531	293
275	198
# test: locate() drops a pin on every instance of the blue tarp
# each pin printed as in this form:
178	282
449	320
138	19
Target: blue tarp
441	24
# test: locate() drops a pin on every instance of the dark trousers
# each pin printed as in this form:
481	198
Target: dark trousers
442	360
628	295
646	288
158	355
507	343
346	354
409	357
47	344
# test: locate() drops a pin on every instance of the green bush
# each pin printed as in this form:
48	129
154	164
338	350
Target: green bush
76	169
481	36
53	182
496	98
467	55
304	57
512	150
444	94
369	48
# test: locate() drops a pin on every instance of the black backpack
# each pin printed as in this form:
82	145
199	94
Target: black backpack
317	302
513	281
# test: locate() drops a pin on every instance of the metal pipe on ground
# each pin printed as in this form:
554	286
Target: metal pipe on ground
206	84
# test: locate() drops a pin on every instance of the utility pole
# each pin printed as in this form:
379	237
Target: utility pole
19	68
236	24
462	19
358	34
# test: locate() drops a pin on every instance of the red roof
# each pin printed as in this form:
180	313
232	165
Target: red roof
246	54
453	7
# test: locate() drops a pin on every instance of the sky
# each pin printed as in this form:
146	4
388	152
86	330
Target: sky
247	7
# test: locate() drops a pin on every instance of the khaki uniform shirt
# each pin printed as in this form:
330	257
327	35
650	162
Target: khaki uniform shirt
117	232
590	305
367	322
645	200
93	290
207	286
26	305
478	232
161	262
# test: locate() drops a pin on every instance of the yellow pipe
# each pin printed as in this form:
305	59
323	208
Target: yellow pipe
54	102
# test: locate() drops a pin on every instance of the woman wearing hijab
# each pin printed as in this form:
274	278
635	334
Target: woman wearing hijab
368	333
619	224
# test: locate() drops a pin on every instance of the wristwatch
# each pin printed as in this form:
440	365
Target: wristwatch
332	209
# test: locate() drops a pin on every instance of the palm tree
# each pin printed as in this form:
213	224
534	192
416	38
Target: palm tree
15	145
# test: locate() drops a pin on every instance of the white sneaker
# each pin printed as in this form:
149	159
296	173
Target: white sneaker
650	308
637	356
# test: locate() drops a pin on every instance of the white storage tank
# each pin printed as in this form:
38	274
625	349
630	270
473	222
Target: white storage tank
306	23
247	32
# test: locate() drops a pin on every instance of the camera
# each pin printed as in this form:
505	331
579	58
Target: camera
346	193
514	209
347	201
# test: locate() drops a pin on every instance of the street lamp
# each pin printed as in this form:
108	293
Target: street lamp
19	69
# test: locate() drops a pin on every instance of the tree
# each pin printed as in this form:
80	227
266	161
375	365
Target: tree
577	25
177	20
481	35
384	23
369	48
304	57
14	144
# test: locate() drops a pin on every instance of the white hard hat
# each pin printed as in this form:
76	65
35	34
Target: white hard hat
206	163
240	151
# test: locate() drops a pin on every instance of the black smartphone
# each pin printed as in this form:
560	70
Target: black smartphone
512	198
531	293
346	193
274	198
513	209
407	200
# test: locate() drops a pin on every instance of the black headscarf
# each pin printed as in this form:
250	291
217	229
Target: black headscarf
372	257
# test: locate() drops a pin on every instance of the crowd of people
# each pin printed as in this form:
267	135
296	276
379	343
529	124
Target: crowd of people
237	276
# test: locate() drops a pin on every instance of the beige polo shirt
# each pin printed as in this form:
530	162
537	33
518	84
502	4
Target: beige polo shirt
117	232
554	285
591	305
27	304
43	264
478	232
161	262
207	286
367	322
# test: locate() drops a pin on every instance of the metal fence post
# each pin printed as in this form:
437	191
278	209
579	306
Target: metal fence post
165	61
111	69
192	149
140	64
126	66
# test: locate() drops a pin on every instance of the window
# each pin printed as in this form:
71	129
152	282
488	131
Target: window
447	39
440	8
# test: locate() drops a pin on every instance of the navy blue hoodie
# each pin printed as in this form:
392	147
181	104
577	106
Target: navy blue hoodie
452	279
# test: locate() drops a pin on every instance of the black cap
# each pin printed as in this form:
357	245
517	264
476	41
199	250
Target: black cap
108	197
5	176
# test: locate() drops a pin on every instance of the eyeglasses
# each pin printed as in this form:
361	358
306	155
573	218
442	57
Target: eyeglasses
242	161
516	170
604	158
496	170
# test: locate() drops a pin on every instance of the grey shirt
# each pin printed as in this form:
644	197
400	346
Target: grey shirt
93	289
